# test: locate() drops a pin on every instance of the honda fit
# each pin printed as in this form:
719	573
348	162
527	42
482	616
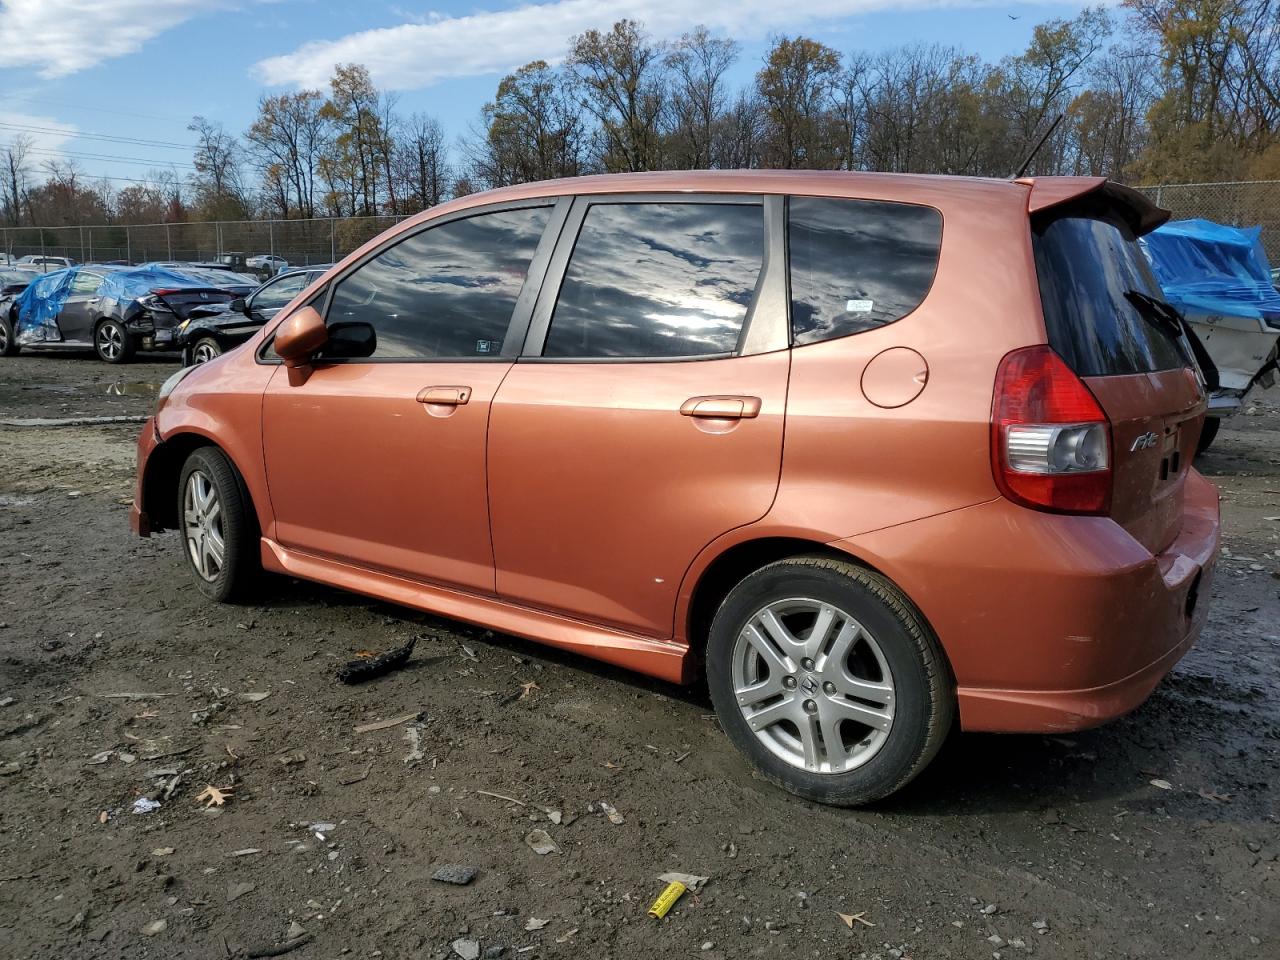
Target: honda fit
875	455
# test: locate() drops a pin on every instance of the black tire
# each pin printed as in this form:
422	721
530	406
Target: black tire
111	342
236	526
922	699
1208	433
205	349
8	338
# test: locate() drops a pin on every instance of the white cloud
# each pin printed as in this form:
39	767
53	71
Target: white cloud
417	54
46	135
60	37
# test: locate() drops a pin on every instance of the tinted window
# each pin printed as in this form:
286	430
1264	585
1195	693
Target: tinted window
1085	264
276	295
658	280
448	291
857	264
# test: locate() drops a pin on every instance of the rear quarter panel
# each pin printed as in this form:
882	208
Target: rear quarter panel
850	466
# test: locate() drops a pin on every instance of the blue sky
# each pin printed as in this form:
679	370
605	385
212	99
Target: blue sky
140	69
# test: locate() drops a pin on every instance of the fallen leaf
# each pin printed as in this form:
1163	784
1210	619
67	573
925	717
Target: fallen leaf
214	796
566	937
102	817
162	851
1211	795
1162	784
527	688
851	918
384	724
257	696
533	923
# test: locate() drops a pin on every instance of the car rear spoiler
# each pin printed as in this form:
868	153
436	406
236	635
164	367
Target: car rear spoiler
1135	207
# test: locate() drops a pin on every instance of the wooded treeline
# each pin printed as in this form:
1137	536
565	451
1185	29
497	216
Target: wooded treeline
1160	91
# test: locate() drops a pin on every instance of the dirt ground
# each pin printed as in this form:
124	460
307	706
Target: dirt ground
1158	835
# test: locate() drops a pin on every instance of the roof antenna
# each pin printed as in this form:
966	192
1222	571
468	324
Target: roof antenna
1040	143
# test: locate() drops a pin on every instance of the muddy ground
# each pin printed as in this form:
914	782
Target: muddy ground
1006	847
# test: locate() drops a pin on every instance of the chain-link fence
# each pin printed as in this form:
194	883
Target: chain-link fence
300	242
325	240
1248	203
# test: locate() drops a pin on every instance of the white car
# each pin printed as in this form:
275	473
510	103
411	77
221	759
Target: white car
266	261
45	264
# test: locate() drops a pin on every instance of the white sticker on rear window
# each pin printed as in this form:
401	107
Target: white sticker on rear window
859	306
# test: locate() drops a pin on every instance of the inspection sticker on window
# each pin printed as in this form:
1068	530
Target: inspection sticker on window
859	306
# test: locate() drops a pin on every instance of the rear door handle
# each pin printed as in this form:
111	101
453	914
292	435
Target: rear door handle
444	396
721	408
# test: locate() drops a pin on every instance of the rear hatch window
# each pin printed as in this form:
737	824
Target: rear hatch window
1093	280
1087	261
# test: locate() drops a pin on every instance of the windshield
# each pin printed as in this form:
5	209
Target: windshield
1088	264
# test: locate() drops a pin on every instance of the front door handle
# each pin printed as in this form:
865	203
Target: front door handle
721	408
444	396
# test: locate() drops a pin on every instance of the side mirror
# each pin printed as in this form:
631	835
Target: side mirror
298	340
238	305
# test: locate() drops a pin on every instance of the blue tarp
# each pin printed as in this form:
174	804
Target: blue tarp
1207	267
125	286
39	306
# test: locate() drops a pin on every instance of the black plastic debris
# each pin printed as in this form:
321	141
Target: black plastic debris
366	668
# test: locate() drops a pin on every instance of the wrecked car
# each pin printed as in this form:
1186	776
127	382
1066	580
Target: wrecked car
210	331
1218	277
113	310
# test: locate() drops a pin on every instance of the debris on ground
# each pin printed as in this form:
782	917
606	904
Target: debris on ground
145	805
413	736
237	890
384	724
155	927
455	873
255	696
611	812
277	949
694	882
375	665
540	842
533	923
673	891
466	949
1162	784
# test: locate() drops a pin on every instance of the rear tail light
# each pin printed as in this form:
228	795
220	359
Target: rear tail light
1050	440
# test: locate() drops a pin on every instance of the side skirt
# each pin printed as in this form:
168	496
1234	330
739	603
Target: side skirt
656	658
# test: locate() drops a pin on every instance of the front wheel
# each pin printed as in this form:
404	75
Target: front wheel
219	531
823	674
112	343
8	338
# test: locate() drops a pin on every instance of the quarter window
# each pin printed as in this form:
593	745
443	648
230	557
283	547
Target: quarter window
652	280
857	264
85	283
447	292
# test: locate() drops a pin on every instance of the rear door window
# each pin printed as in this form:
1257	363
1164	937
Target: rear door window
1086	261
658	280
447	292
857	264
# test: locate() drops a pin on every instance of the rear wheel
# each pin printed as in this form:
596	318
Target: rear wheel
112	343
8	338
205	349
1208	433
826	678
219	532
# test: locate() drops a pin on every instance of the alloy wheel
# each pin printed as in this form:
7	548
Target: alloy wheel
202	523
813	685
204	352
110	341
4	338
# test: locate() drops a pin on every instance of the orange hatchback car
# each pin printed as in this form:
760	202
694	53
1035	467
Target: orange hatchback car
878	454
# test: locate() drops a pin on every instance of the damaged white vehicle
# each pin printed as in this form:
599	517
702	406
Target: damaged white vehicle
1219	278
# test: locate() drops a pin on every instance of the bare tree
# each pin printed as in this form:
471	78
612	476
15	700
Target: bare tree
623	86
17	172
698	63
533	130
